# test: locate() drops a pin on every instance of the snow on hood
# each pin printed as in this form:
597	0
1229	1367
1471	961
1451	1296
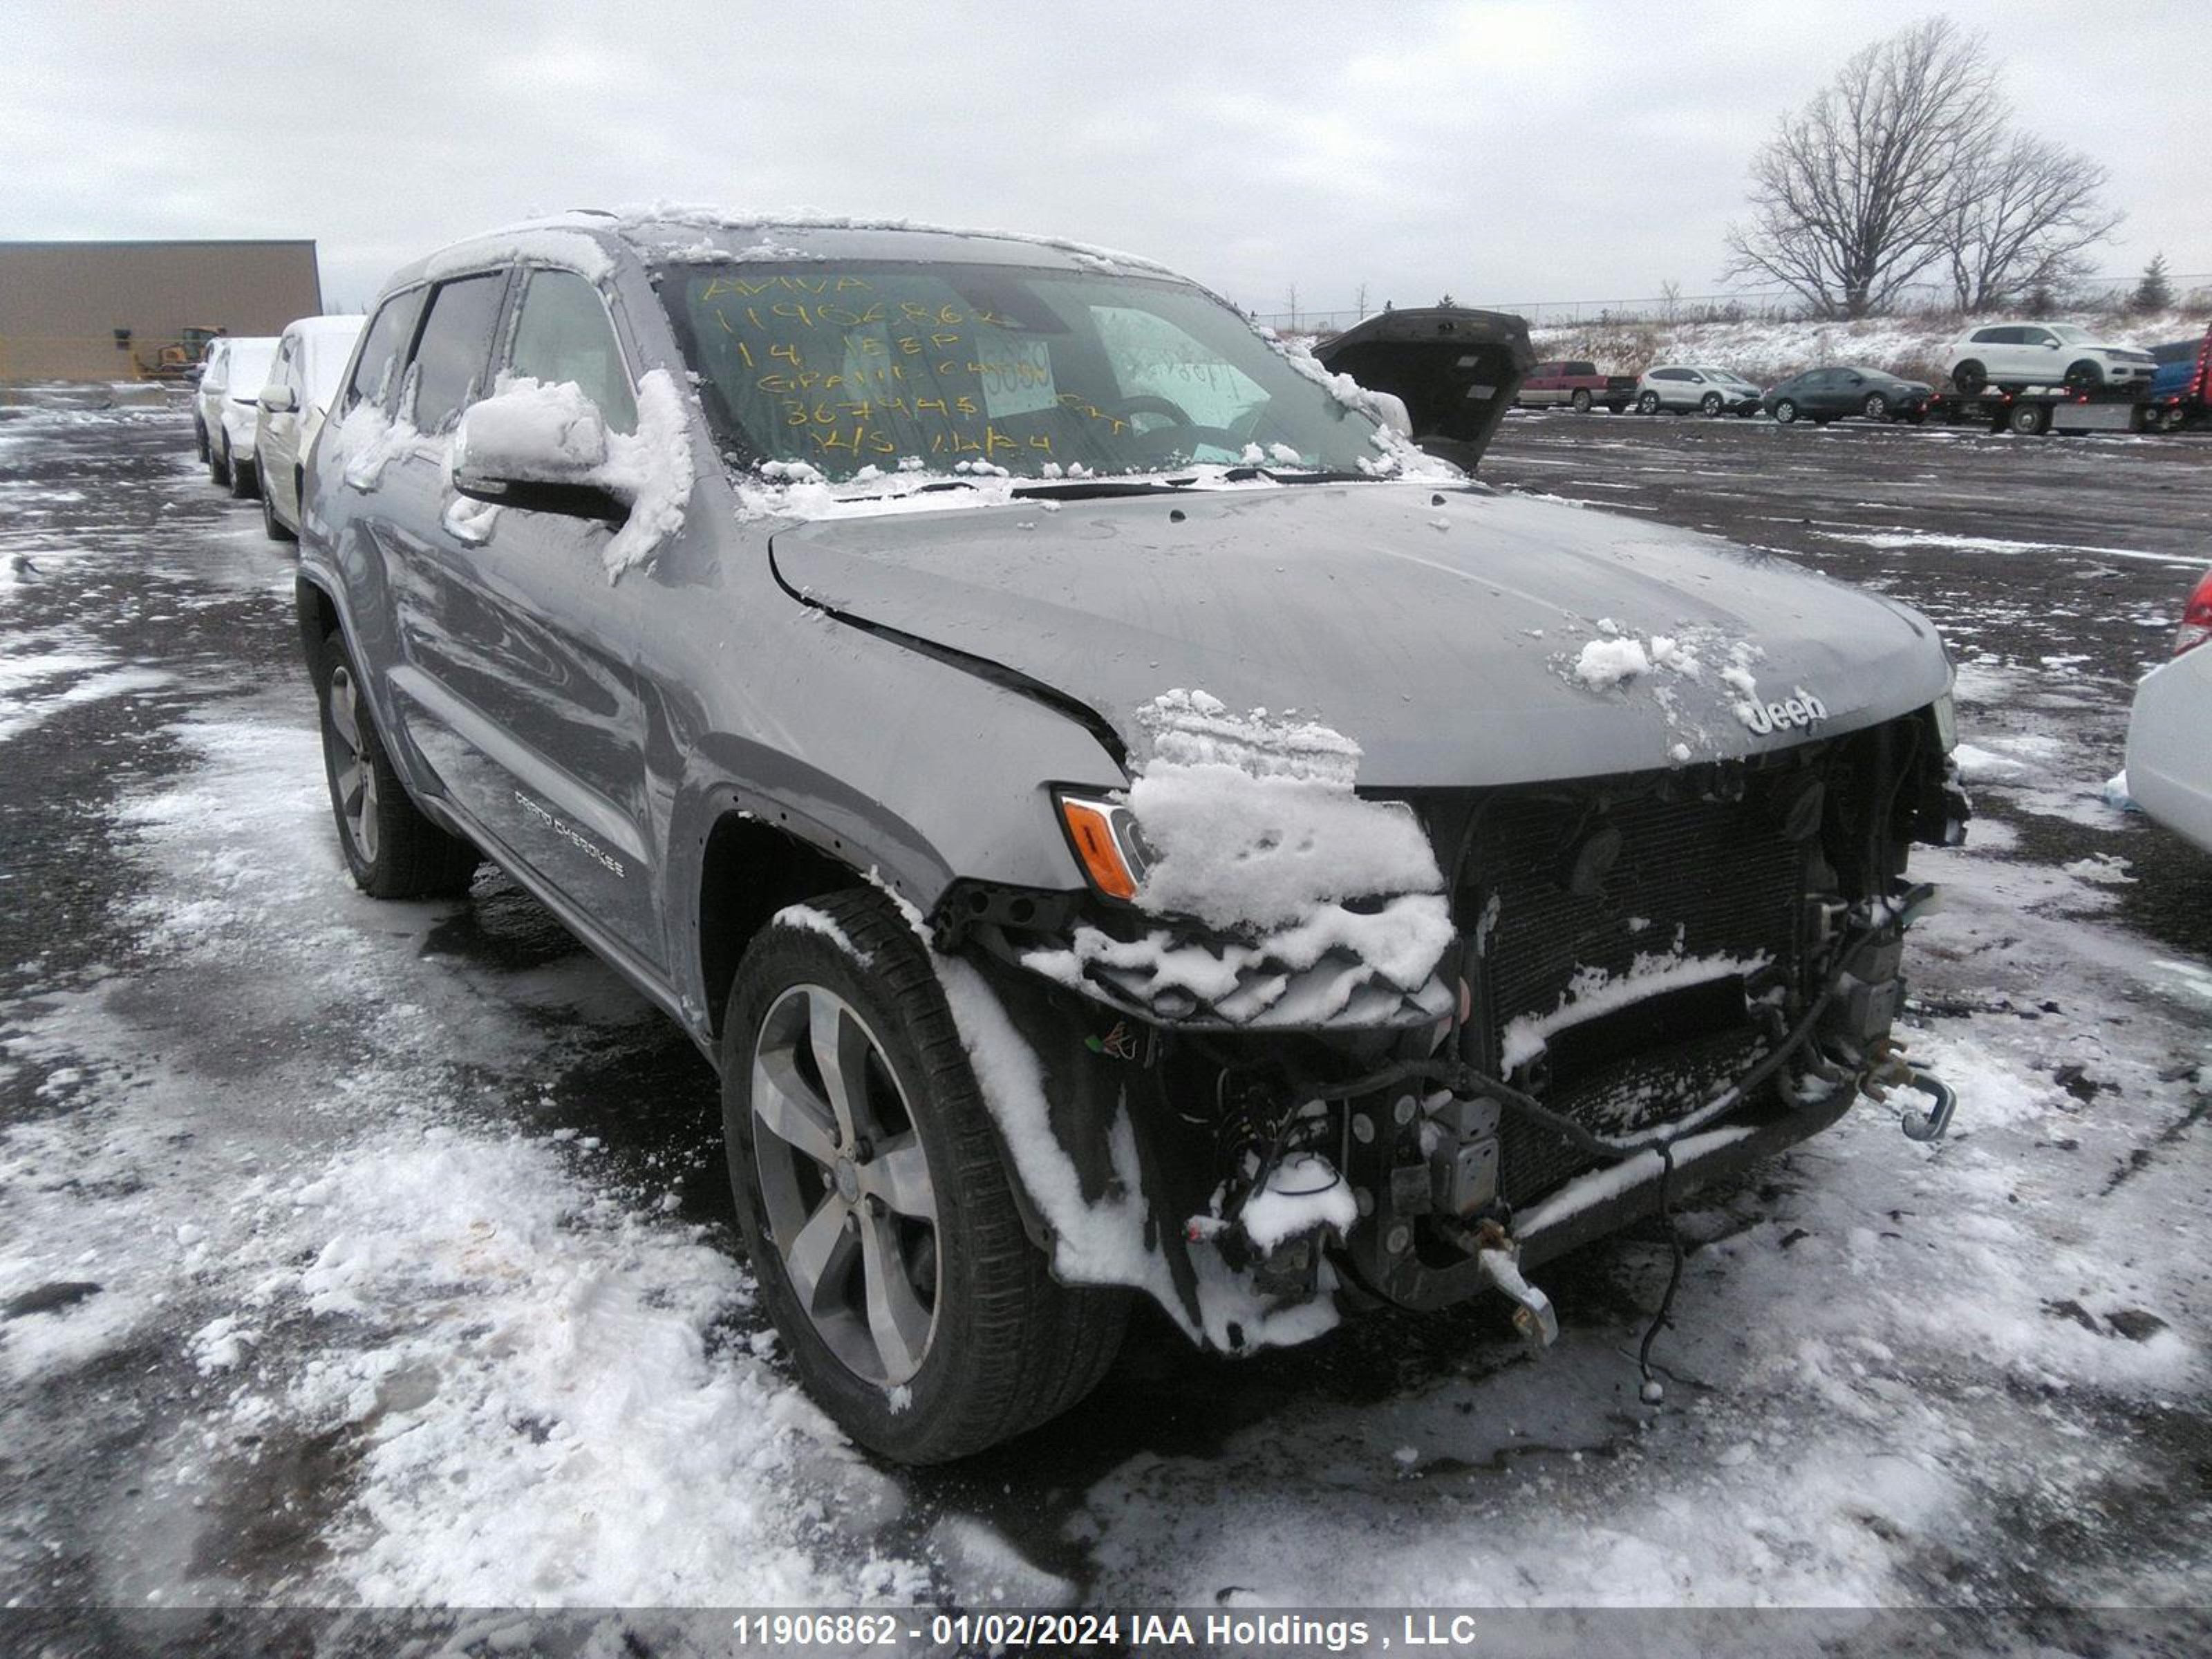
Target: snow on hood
1446	627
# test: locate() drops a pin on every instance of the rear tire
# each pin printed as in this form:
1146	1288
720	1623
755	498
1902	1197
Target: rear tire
1970	377
200	438
272	526
1648	404
392	851
1581	401
2029	420
842	1248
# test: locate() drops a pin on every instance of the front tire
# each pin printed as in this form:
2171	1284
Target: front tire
1877	407
1786	412
2085	376
218	461
242	482
1711	404
392	851
876	1206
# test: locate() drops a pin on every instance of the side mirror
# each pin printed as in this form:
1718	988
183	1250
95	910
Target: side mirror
279	399
540	448
1395	414
2050	345
1858	379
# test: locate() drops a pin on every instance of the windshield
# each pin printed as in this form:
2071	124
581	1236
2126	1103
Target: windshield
324	353
250	361
897	366
2070	335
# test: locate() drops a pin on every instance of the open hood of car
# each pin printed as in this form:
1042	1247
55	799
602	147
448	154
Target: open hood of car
1459	636
1457	370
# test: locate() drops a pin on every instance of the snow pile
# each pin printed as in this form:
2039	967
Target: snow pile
557	241
1303	1192
1605	664
1315	900
1251	822
1193	728
555	426
544	432
503	1469
651	470
369	441
1105	1239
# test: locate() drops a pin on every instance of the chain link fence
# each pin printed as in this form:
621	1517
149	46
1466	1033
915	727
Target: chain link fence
1773	305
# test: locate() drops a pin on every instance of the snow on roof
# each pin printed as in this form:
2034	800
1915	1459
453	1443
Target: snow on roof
647	227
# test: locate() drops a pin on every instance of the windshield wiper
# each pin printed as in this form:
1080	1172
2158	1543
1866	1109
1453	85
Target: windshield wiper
1087	490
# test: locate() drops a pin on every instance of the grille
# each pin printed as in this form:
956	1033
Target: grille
1704	877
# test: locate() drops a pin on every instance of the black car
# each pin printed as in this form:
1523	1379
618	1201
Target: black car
1822	395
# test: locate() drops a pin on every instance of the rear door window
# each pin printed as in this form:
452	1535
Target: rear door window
453	357
563	333
383	347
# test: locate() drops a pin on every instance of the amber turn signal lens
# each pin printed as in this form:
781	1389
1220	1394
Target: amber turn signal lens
1093	835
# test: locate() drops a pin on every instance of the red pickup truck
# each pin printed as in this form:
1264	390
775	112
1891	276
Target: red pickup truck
1578	385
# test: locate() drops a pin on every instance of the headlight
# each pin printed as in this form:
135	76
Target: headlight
1947	722
1104	835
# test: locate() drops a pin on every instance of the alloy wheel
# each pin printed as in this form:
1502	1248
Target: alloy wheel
845	1185
351	764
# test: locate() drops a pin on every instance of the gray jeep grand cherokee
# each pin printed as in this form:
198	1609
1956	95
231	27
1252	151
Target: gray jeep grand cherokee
1118	816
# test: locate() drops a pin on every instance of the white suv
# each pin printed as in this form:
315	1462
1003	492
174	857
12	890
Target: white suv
1682	387
2016	355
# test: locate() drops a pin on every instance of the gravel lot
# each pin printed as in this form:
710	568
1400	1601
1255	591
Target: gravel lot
359	1253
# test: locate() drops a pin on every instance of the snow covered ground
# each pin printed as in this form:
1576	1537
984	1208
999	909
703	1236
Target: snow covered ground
1768	351
367	1255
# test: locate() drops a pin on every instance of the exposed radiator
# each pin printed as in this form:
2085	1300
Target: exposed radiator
1701	878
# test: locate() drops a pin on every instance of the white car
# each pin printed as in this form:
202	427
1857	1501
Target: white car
229	402
2011	356
1685	387
2169	763
309	369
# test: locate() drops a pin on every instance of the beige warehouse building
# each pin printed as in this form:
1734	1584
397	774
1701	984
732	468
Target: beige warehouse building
62	304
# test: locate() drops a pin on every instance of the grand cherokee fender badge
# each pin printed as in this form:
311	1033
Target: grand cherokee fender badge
1801	708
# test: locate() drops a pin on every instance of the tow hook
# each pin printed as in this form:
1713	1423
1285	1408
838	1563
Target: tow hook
1931	1124
1888	1070
1497	1257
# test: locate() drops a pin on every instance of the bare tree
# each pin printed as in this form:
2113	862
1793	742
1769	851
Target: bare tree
2022	211
1849	197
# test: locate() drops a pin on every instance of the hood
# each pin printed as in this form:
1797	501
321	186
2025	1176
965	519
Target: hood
1457	370
1458	636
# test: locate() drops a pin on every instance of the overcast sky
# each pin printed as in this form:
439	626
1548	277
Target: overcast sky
1504	152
